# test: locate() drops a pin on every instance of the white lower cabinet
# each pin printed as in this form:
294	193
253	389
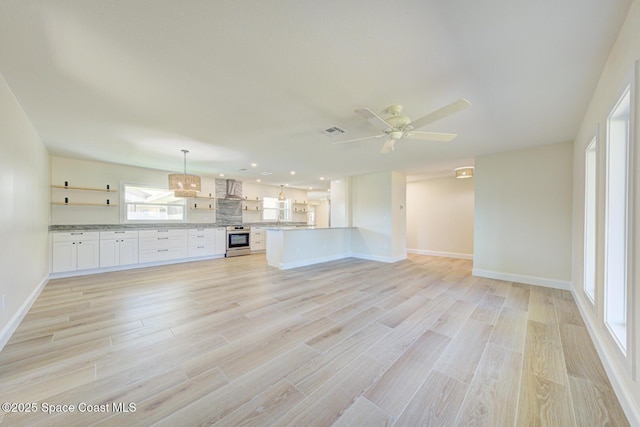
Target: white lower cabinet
220	241
258	239
77	250
118	248
201	242
162	245
84	250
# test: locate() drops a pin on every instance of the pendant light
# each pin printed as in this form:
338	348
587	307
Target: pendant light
184	185
281	196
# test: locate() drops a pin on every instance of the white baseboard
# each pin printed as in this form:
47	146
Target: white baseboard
607	353
17	317
520	278
440	254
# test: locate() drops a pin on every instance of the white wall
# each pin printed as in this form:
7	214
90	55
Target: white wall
440	217
523	212
85	173
253	190
624	53
378	211
340	203
24	212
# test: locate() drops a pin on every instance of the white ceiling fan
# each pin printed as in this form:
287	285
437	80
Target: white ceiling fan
396	126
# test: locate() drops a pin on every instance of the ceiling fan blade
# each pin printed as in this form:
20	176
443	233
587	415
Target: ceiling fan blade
359	139
431	136
367	114
441	113
388	146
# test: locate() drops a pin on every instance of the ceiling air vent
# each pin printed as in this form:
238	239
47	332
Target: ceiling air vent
334	130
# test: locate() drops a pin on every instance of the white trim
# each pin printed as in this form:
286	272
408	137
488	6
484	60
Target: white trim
520	278
440	254
607	354
14	321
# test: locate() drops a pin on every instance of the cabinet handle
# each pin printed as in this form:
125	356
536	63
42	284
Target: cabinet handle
163	231
163	250
200	247
199	237
163	238
77	234
119	232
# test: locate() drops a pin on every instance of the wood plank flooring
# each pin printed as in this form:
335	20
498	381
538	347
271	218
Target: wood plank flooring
233	342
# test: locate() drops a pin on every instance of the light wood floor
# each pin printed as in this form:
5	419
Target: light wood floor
348	343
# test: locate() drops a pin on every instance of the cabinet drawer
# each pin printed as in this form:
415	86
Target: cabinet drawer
119	234
161	242
162	232
150	255
74	236
201	250
197	232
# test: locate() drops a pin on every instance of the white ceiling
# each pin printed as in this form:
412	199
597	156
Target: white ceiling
242	81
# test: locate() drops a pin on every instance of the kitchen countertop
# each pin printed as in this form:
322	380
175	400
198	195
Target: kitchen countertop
107	227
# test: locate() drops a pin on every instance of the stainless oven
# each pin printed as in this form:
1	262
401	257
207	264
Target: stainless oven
238	240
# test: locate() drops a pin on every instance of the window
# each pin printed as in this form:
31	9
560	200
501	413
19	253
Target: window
152	204
276	210
616	208
590	211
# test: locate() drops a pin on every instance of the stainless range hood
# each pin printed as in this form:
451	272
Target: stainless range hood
234	190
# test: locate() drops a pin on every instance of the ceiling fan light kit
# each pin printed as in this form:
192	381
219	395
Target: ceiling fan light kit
182	184
397	127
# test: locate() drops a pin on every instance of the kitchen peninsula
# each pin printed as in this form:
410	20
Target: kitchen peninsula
291	247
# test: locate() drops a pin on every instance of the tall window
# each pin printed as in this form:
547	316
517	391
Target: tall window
152	204
590	210
616	208
276	210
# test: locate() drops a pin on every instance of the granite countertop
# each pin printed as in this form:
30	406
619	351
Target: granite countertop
107	227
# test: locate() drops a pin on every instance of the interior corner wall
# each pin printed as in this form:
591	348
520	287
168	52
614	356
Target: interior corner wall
378	211
523	214
24	212
623	58
440	217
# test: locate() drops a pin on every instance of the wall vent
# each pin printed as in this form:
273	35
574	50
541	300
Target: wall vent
334	130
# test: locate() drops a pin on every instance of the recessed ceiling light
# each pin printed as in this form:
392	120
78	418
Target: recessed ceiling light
286	185
310	188
254	165
322	178
221	174
258	180
292	172
266	173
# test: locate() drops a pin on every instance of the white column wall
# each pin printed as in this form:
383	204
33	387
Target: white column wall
24	213
378	211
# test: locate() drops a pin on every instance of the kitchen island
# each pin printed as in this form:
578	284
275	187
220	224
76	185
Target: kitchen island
291	247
